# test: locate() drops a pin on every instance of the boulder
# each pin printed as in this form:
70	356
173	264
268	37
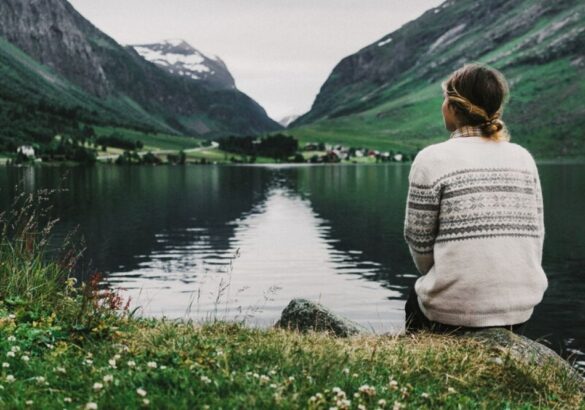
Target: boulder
303	315
523	350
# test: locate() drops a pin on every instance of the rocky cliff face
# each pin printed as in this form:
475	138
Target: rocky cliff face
504	33
180	58
54	34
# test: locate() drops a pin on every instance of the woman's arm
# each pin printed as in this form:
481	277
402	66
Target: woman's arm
539	210
421	222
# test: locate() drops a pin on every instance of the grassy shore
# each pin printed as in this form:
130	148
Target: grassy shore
79	346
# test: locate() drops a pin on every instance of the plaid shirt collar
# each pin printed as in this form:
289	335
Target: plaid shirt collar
466	131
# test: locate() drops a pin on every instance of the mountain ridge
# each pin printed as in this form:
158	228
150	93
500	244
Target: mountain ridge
389	91
178	57
121	86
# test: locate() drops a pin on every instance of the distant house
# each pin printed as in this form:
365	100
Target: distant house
26	150
397	157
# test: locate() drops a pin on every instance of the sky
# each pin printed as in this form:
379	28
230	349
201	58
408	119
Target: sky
280	52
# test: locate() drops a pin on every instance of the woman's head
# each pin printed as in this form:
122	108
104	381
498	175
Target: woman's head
474	96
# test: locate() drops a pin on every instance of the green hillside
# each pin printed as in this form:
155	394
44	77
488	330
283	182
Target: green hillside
36	103
388	95
59	74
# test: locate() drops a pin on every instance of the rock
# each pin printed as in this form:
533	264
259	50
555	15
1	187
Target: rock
523	350
304	315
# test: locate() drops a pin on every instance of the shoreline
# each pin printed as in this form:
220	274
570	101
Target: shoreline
579	160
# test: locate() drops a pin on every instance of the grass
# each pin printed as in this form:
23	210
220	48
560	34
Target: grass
64	345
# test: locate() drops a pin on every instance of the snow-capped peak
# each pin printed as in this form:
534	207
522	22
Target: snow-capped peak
179	58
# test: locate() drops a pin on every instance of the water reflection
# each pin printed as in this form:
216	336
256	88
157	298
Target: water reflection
280	250
334	234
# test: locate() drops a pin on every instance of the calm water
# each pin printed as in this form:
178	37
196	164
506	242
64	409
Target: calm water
241	242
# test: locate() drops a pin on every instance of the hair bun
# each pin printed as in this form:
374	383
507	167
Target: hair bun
492	126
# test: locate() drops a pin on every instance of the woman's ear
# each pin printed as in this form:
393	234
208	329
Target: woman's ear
449	115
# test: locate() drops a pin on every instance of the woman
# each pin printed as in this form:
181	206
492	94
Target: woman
474	219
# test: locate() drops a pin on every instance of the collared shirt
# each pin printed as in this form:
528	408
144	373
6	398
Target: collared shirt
467	131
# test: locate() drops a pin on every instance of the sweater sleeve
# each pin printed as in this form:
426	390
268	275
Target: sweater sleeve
539	210
421	221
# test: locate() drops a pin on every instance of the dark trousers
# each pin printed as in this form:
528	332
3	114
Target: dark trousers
416	320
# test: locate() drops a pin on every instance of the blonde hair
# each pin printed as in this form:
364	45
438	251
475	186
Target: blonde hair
478	94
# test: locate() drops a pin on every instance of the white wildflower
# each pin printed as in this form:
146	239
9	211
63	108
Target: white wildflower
11	338
67	399
112	363
151	365
10	378
15	348
264	379
344	404
367	389
41	380
131	363
98	386
91	406
108	378
11	354
205	379
5	365
141	392
25	358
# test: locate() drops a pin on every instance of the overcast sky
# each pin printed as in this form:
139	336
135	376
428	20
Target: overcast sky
279	51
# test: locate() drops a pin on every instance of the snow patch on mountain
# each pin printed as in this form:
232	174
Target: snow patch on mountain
179	58
384	42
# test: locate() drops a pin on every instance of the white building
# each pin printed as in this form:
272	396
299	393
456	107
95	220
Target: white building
26	150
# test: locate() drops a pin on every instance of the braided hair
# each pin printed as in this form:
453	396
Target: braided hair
477	93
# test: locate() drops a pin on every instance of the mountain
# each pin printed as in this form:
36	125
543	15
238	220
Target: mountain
287	120
58	68
180	58
388	94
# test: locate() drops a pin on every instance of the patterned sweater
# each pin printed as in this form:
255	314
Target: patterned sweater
474	226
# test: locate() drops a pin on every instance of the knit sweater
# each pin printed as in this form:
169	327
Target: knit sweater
474	226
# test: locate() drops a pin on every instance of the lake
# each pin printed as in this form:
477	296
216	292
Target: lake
239	242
